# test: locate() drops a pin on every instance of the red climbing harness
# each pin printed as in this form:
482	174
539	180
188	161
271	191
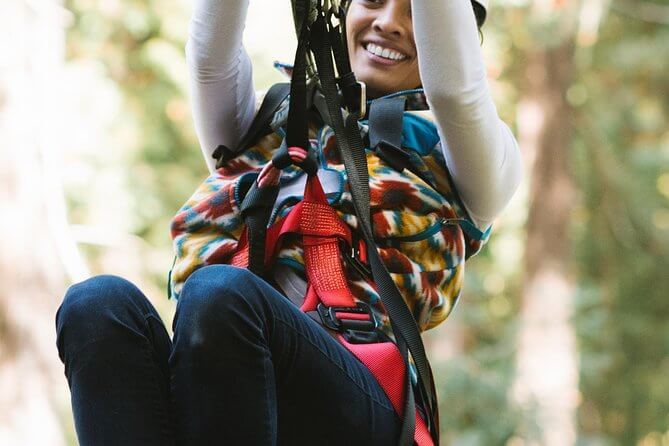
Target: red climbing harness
323	235
395	355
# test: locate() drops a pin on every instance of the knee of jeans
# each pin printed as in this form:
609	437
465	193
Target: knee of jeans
89	306
218	297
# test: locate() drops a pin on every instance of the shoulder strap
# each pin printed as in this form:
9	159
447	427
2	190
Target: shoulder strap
385	132
385	137
259	127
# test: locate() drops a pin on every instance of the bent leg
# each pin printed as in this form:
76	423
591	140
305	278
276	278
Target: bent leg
248	367
115	350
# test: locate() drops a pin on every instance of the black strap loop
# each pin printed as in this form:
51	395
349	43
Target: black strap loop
256	209
386	116
281	159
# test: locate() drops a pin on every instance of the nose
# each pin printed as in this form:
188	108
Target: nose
393	18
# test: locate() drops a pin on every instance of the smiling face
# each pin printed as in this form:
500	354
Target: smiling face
381	45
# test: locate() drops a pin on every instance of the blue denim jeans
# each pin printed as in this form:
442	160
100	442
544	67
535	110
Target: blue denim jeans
245	367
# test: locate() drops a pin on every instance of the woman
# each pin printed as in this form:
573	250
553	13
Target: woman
245	365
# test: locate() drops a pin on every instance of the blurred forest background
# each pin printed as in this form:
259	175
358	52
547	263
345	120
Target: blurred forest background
562	334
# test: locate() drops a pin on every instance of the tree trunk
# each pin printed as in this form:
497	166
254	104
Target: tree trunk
33	390
547	365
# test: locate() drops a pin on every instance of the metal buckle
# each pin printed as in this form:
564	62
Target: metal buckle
354	331
329	317
360	91
351	256
354	96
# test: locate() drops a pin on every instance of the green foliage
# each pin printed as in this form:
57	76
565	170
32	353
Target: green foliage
163	168
622	235
475	409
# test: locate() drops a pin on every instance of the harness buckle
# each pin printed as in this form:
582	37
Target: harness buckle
354	94
360	90
355	330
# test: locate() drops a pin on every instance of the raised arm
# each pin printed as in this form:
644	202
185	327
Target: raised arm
220	74
480	150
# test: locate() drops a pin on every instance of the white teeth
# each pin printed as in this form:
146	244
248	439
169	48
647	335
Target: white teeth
384	52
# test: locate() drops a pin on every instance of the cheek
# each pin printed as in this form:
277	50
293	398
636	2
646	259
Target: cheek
352	37
350	31
355	22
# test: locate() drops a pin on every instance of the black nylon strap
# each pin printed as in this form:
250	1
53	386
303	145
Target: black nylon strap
256	209
385	137
322	107
258	203
388	123
259	127
297	128
340	51
385	121
385	131
402	321
351	90
347	81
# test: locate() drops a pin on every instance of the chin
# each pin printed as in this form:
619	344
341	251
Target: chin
377	83
373	87
373	93
376	90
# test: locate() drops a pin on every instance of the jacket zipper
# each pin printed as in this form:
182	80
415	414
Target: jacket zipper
427	232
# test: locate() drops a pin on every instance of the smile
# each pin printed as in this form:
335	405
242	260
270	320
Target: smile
384	53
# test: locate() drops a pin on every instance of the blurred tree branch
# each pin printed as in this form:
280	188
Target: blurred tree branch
547	358
33	392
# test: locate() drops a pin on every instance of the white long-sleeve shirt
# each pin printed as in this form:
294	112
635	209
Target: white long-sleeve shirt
480	150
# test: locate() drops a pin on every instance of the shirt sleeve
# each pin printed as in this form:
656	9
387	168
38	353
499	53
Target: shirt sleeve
220	74
480	150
